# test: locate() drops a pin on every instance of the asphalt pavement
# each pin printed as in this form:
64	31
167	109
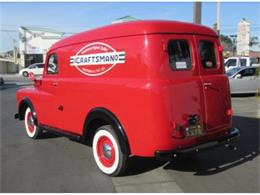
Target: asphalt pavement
58	164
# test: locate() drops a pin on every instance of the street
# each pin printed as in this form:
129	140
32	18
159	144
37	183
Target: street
58	164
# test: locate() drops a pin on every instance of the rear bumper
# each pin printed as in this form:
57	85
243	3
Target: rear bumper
225	140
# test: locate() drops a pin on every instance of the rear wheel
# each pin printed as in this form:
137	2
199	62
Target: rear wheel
25	74
32	130
107	151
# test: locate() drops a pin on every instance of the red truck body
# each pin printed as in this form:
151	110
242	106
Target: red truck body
131	71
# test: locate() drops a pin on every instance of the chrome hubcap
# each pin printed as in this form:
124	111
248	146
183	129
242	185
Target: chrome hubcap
31	121
107	150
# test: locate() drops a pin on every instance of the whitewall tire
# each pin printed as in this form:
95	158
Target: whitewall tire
107	151
31	128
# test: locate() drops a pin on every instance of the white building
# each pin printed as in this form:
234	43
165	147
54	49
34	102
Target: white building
243	38
34	43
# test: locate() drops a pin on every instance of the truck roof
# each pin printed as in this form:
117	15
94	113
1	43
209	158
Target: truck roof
141	27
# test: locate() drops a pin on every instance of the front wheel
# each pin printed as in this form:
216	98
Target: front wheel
107	151
32	130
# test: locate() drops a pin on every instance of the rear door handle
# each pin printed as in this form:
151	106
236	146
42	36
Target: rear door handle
55	84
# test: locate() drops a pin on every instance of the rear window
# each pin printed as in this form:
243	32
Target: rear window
207	54
179	54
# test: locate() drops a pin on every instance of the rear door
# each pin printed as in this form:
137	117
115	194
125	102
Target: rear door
215	83
185	88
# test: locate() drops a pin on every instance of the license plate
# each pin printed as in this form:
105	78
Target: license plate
194	130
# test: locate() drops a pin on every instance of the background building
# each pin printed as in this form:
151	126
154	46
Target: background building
243	37
34	42
124	19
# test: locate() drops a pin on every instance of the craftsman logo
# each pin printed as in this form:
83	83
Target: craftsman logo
96	59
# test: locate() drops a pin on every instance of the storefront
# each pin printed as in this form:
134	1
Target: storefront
34	43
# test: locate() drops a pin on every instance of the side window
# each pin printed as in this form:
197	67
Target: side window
40	65
231	62
32	66
207	54
248	72
179	54
242	62
52	67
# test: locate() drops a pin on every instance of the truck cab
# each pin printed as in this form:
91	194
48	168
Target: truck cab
235	62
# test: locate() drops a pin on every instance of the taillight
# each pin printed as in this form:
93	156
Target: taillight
229	112
220	48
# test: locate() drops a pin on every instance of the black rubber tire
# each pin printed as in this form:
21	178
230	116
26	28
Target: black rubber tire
122	158
25	74
37	132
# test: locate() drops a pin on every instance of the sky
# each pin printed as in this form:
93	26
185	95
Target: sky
80	16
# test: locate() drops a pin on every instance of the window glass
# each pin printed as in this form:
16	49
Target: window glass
248	72
231	62
253	61
32	66
40	65
52	67
243	62
207	54
179	54
232	71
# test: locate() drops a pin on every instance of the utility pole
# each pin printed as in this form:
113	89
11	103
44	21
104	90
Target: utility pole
197	12
218	17
14	52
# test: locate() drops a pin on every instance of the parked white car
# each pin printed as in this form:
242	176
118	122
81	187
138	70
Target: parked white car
36	69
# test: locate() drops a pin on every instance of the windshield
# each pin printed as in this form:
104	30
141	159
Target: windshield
232	71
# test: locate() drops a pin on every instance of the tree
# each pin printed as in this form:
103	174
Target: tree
226	41
253	41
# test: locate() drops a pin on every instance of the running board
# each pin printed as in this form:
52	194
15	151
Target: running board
60	132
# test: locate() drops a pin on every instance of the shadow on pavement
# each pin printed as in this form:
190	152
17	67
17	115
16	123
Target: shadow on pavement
48	135
7	86
221	159
138	165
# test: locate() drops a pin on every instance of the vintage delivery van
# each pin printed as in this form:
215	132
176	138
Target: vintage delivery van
143	88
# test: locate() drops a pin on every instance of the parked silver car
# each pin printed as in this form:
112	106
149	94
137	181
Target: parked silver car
244	79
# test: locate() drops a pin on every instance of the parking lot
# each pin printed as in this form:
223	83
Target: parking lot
57	164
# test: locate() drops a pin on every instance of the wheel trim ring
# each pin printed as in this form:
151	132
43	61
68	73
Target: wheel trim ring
104	169
31	127
27	124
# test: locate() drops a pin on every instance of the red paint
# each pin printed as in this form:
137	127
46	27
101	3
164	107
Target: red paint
30	125
107	162
144	93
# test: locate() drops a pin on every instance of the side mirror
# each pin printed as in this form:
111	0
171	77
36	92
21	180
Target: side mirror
33	78
238	76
